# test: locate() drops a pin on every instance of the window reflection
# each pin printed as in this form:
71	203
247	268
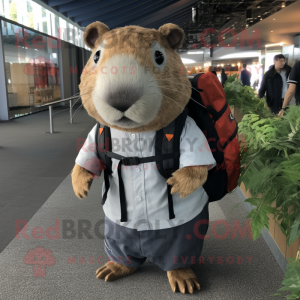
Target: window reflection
31	67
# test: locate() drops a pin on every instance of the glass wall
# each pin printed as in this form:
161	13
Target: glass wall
33	15
31	67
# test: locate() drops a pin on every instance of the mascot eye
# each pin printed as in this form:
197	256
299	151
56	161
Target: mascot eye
97	56
159	57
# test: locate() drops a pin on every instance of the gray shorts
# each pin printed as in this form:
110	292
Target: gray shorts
169	248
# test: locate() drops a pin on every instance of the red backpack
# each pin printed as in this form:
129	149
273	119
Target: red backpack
214	118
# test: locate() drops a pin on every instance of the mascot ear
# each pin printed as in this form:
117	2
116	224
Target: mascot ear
173	33
93	34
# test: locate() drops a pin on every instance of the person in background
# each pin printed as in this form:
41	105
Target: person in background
245	76
294	88
223	77
274	83
255	84
214	72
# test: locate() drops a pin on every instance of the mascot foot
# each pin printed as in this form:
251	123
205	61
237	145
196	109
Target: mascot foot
184	278
112	271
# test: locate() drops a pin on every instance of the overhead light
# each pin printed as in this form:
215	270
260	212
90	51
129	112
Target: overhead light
222	65
258	6
195	52
283	4
241	54
223	37
187	61
247	25
233	65
239	64
273	19
261	19
272	45
218	65
271	30
258	16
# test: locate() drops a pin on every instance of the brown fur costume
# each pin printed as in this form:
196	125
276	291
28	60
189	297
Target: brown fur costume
184	181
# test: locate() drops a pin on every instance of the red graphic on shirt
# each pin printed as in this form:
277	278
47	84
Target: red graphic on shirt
95	166
44	71
40	258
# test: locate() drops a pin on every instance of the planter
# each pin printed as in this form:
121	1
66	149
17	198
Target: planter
277	234
236	113
274	229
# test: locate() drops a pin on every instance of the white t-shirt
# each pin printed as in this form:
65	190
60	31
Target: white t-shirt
145	188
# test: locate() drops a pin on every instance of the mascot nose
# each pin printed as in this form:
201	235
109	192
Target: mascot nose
123	98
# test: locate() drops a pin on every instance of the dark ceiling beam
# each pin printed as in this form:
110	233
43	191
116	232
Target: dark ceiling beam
181	21
139	17
58	2
176	22
170	20
76	4
121	7
141	12
93	7
224	3
168	11
177	14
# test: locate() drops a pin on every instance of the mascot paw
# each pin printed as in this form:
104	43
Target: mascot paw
81	181
184	278
112	271
186	180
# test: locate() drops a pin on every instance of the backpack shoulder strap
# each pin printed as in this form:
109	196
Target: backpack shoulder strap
168	141
103	143
194	79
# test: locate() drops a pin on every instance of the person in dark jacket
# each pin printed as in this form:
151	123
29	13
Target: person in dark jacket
223	77
274	83
294	88
245	76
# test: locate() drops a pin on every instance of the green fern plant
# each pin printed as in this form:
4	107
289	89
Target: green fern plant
270	166
291	280
244	98
270	161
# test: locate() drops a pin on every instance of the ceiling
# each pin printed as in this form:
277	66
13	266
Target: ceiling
117	13
220	15
210	13
226	16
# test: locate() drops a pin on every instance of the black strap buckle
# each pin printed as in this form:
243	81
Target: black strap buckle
129	161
